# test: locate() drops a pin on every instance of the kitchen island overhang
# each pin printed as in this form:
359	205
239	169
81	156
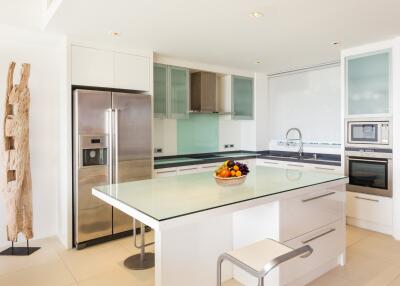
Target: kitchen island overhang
191	212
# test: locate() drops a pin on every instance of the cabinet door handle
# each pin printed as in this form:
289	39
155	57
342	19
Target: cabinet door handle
208	167
294	165
322	168
165	172
271	163
318	197
188	169
318	236
367	199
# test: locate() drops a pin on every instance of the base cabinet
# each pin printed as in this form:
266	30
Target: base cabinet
327	242
370	212
308	212
299	166
199	168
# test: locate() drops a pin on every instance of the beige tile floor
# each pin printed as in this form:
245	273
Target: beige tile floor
372	260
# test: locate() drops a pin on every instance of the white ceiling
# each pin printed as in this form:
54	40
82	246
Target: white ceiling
292	33
21	13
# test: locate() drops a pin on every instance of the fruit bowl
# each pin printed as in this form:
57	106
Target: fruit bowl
232	181
231	173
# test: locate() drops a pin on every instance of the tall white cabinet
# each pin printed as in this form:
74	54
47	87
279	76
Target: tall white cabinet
369	79
92	67
103	68
368	83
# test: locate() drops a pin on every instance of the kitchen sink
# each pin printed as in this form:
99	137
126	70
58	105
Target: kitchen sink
319	159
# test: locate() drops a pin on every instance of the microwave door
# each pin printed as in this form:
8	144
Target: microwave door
364	133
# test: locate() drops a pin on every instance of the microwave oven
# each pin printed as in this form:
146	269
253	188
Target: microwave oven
368	134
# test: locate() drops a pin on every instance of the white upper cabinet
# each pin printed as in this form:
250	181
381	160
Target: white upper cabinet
100	68
131	72
92	67
368	83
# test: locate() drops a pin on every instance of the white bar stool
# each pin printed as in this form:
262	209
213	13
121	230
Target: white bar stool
259	258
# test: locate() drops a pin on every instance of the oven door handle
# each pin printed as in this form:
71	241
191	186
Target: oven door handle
366	160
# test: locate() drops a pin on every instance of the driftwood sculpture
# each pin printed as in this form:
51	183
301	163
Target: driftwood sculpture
16	177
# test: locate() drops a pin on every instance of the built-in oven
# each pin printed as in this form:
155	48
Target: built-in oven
367	133
369	171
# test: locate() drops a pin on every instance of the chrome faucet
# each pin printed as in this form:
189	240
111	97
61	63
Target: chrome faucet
300	140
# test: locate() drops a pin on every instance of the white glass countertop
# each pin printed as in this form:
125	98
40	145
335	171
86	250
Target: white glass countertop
170	197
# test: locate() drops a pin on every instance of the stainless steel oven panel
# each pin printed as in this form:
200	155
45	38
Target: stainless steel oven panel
383	137
386	158
370	154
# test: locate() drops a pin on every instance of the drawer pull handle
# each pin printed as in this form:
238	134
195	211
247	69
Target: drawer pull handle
165	172
318	236
294	165
272	163
367	199
322	168
208	167
318	197
188	169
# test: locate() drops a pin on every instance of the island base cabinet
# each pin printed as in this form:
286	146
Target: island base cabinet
311	211
186	255
328	243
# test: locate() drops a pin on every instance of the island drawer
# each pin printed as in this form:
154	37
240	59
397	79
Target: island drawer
327	243
311	211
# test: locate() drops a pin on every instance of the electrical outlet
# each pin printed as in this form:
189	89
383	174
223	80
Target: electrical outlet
157	150
231	145
226	146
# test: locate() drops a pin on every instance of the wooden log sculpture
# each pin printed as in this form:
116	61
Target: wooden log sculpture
16	178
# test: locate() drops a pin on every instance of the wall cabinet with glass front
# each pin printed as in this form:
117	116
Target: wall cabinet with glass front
171	92
368	84
242	98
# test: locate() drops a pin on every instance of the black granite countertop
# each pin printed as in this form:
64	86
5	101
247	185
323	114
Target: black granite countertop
206	158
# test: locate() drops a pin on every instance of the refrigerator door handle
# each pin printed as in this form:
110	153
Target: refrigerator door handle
116	159
110	115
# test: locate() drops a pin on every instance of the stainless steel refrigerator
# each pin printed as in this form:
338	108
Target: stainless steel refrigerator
112	144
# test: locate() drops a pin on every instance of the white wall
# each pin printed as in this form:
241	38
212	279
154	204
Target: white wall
43	53
309	100
164	136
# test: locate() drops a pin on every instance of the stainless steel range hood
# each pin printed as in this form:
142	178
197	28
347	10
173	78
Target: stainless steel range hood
203	92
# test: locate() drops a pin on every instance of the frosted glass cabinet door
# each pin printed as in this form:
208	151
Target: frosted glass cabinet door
242	98
160	91
368	84
179	92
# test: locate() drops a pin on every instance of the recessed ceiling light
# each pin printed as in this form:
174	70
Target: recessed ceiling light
258	62
114	33
336	43
256	14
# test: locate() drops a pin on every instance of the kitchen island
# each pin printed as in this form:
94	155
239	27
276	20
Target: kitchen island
195	220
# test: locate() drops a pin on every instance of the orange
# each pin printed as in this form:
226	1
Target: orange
236	168
225	173
238	174
233	173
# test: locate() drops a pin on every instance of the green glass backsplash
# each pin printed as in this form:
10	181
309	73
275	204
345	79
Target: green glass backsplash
198	134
